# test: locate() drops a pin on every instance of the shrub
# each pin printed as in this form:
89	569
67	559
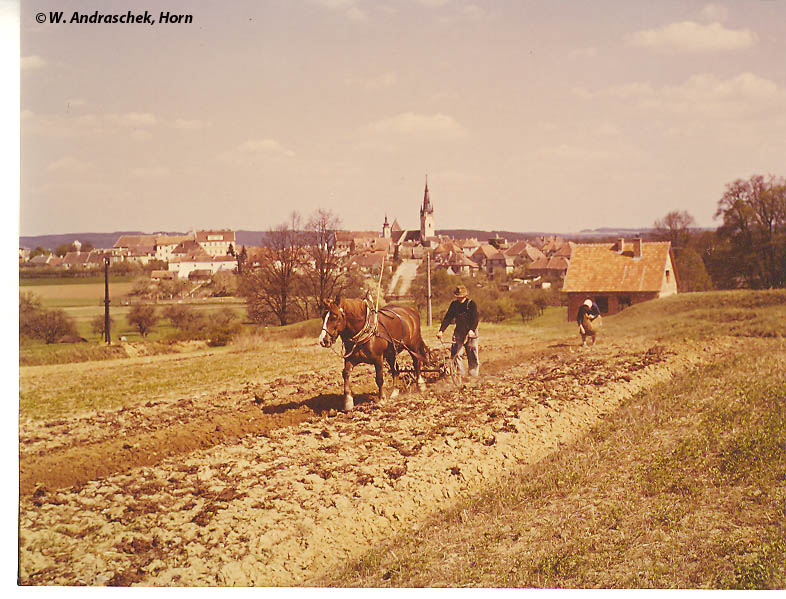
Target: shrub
49	325
499	309
97	325
528	310
218	328
29	306
182	318
223	284
143	317
223	328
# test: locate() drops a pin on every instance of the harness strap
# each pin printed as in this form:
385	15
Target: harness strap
371	329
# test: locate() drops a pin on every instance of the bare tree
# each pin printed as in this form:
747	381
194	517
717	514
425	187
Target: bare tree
675	227
270	288
322	270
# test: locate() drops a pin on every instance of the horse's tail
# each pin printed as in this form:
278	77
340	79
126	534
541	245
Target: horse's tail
423	353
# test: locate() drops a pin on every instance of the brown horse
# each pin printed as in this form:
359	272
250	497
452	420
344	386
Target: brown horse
370	336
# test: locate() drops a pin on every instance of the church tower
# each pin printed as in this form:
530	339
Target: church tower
426	217
386	228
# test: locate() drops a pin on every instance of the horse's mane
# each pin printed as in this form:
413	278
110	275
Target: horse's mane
354	307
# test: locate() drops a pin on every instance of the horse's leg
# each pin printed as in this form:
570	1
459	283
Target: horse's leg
380	378
390	357
349	403
418	366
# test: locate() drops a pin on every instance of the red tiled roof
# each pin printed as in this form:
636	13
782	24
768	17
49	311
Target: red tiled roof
127	241
460	259
540	264
374	259
224	234
600	267
74	258
171	239
558	263
566	250
487	250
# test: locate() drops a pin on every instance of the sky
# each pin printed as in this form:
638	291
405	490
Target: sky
525	115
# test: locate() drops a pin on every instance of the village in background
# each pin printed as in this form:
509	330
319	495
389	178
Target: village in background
285	275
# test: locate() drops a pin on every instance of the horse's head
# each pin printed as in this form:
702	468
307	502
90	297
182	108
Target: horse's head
334	322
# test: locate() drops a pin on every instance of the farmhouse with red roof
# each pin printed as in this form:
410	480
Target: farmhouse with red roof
620	274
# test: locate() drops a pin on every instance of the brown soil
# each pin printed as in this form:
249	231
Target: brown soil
274	486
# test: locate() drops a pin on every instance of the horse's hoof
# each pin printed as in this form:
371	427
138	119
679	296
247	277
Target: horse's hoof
394	394
349	404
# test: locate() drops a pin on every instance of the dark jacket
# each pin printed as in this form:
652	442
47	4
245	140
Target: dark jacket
465	314
592	312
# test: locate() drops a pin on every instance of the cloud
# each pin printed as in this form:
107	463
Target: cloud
76	103
375	82
408	124
714	13
32	62
590	52
253	149
134	119
336	4
141	135
350	8
139	126
702	97
189	125
473	11
356	14
150	172
688	36
69	164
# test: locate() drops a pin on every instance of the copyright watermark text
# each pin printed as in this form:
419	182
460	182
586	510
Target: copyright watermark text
147	18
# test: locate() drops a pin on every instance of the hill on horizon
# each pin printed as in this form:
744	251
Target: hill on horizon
253	238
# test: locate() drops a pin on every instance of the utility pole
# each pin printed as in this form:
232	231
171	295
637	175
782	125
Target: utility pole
428	286
107	336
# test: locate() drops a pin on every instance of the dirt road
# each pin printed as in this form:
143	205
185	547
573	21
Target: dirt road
272	485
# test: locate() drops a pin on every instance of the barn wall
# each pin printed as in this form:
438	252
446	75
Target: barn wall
615	301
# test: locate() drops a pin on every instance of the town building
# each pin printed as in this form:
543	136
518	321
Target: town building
620	274
216	243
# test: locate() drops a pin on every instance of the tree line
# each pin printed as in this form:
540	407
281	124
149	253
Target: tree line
748	249
299	268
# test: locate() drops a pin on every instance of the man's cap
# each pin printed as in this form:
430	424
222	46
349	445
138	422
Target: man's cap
460	291
588	303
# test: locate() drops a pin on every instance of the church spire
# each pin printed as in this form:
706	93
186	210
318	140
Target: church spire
427	207
426	217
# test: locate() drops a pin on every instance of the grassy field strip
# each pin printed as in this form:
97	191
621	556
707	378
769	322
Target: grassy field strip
48	391
60	389
64	293
684	486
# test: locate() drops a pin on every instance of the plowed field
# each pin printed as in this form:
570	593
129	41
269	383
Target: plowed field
271	484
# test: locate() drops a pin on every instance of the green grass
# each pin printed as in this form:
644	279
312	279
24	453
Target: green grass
39	353
707	314
684	486
57	281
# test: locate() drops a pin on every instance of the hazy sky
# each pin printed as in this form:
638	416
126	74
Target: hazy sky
541	115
